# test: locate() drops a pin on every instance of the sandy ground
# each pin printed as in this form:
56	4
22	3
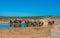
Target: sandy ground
29	32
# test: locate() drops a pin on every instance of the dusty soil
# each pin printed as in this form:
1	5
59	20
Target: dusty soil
28	32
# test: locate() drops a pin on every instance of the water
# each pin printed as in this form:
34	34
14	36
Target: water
10	26
4	25
23	25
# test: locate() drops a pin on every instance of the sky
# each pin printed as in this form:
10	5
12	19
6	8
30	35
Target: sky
29	7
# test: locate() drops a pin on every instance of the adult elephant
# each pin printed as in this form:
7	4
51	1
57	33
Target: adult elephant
40	23
11	22
33	22
17	23
27	22
51	22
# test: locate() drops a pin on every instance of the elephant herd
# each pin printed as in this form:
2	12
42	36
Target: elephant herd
29	22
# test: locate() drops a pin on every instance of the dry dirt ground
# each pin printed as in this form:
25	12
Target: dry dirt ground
55	32
28	32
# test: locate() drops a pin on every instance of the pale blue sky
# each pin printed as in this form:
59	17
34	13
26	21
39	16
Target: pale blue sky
29	7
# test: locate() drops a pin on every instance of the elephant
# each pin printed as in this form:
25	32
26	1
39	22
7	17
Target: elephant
27	23
41	23
15	23
51	22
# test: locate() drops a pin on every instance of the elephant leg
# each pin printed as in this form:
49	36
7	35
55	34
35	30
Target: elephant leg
11	25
